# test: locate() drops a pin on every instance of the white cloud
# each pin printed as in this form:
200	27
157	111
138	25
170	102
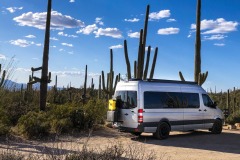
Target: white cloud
110	32
159	15
54	38
214	37
61	50
171	20
30	36
38	44
218	26
88	29
219	44
134	34
38	20
3	57
116	46
21	42
132	20
66	35
67	44
167	31
14	9
99	21
72	1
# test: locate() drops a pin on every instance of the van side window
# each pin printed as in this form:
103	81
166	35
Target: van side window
158	100
126	99
207	100
190	100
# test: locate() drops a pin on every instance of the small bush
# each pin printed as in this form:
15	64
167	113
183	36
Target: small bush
10	155
33	125
94	112
4	123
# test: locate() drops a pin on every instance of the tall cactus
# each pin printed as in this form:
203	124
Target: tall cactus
44	77
3	76
139	71
85	84
110	87
199	77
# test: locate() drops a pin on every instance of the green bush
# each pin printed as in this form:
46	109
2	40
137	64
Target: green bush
94	112
4	123
233	118
64	118
33	125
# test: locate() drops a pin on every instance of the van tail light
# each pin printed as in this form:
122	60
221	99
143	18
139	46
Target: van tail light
140	116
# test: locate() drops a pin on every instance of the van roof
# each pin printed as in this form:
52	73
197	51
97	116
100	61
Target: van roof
165	81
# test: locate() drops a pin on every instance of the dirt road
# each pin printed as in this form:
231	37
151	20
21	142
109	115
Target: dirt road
196	145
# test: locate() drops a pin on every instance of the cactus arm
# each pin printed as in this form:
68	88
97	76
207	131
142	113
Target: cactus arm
147	63
135	69
154	63
139	56
127	60
181	76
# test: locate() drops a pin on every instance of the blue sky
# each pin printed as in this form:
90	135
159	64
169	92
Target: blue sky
83	32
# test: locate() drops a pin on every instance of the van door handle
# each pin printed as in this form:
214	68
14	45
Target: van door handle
205	110
125	114
199	110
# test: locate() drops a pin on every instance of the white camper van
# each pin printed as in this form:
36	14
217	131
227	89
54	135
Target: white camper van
161	106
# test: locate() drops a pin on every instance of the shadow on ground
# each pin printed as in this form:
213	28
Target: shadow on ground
225	142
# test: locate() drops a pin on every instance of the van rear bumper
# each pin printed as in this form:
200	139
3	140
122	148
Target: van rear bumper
140	128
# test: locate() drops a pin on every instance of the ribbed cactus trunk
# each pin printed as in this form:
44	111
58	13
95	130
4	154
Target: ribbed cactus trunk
197	67
44	76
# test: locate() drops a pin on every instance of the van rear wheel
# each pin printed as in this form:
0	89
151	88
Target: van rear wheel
163	131
217	127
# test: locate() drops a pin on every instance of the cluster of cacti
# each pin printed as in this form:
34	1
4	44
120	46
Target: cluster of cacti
199	77
3	76
110	87
140	72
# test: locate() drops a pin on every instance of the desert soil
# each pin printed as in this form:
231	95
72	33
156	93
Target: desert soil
197	145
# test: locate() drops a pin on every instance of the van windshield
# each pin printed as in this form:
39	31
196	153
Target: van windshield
126	99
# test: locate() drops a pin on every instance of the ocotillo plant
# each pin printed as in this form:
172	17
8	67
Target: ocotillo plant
3	76
139	71
110	88
199	77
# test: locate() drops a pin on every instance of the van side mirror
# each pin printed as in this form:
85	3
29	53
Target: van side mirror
214	105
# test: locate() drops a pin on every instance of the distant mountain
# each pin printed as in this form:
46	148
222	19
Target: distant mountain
17	86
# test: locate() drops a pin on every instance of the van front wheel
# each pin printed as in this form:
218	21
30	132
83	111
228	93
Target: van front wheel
163	130
217	127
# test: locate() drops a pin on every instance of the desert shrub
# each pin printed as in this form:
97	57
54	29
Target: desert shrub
233	118
33	125
65	118
4	123
94	112
10	156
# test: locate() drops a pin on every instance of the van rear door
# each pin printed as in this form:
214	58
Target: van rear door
127	107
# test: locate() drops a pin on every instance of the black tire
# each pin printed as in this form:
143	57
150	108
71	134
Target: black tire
217	127
163	131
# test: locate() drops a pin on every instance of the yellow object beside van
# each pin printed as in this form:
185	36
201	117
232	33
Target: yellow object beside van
112	105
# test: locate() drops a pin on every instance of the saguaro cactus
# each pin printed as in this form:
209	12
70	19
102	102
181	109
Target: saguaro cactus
139	71
110	88
3	76
199	77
